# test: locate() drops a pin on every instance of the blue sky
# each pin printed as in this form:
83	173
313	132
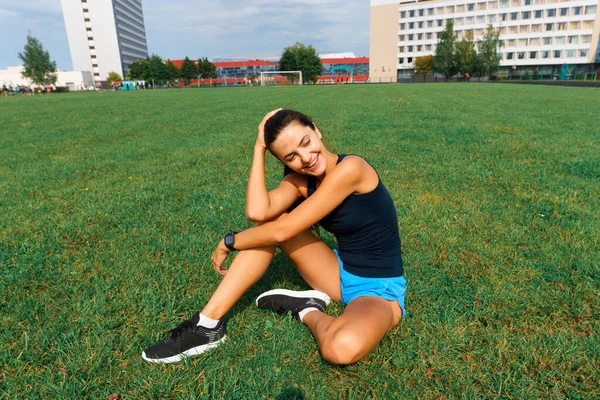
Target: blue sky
176	28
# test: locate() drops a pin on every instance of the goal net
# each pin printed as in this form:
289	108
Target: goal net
279	77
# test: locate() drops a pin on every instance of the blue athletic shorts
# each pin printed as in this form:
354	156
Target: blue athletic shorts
353	286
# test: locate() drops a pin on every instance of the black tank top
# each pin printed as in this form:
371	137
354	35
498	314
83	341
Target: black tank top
366	228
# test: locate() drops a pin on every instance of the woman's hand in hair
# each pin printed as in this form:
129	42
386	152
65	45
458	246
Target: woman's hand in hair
260	139
219	256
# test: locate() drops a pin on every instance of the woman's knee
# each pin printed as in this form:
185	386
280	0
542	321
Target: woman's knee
344	347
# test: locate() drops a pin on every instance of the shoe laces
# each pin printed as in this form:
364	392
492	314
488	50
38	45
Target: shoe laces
182	328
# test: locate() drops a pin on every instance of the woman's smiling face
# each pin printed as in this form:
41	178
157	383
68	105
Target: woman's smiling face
300	148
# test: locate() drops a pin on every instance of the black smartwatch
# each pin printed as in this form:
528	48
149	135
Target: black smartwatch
230	240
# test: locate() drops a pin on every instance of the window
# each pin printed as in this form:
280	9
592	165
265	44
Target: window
402	14
410	49
583	53
588	24
545	54
93	56
534	41
469	20
514	16
411	13
514	3
438	35
409	59
527	2
589	10
402	26
559	40
440	22
547	41
492	5
90	38
439	10
449	9
564	12
96	74
586	38
481	19
427	47
430	24
419	36
509	56
420	25
536	28
513	29
88	29
549	27
411	25
532	55
482	6
526	15
411	37
577	10
470	7
503	4
512	42
420	47
522	42
92	47
421	12
539	14
430	11
95	65
85	10
460	8
401	49
574	25
402	38
557	53
561	26
491	18
521	55
428	35
524	29
401	60
551	12
570	53
87	20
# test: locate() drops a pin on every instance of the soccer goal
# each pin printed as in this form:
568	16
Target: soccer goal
266	80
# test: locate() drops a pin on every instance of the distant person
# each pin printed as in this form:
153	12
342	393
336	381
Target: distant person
344	195
467	76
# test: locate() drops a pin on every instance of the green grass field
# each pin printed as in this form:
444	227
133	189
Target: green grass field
111	205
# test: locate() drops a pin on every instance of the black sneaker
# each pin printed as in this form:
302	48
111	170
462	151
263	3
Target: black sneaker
186	340
283	301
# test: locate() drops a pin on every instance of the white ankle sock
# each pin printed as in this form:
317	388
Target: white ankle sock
207	322
302	313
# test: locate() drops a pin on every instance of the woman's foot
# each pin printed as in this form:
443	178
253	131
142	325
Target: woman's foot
188	339
283	301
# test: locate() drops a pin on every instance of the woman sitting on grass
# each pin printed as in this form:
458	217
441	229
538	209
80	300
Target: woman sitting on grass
342	193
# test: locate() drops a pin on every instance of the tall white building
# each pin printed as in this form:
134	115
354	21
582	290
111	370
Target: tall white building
105	35
536	35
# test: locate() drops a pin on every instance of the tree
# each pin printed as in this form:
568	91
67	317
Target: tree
301	58
445	53
139	70
206	69
113	77
36	63
188	71
172	71
465	54
488	51
157	70
423	65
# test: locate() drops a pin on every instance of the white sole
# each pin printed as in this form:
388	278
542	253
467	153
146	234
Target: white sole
298	294
188	353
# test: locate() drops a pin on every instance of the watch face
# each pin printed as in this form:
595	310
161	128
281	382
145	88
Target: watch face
229	240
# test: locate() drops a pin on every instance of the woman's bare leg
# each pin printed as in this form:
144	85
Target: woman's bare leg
245	270
351	336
